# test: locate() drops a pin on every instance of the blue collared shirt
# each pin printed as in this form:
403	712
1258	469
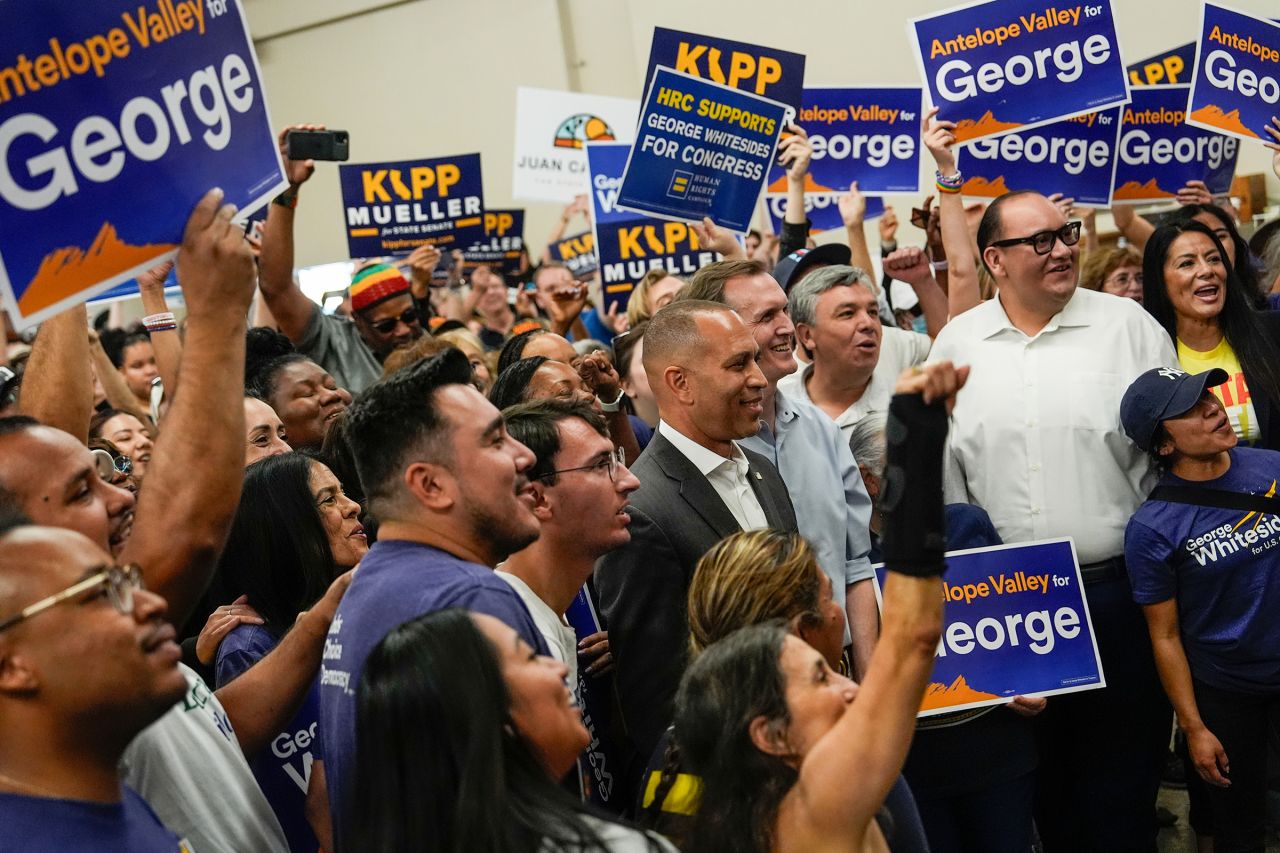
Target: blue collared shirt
816	464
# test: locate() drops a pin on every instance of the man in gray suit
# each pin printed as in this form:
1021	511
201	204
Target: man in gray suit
696	487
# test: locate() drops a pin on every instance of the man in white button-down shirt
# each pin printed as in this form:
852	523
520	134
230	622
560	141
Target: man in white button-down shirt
1036	441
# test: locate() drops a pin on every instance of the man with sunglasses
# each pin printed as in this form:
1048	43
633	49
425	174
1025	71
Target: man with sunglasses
581	488
384	316
87	661
1036	441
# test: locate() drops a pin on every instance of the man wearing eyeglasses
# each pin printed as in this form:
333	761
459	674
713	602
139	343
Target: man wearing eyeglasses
581	488
87	661
1036	441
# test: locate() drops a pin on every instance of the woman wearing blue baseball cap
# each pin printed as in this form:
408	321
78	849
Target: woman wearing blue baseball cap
1203	554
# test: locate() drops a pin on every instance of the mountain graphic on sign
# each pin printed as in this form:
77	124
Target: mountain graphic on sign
69	270
1214	116
957	692
983	187
810	185
985	126
1135	190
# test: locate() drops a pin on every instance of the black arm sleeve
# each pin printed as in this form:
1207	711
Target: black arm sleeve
792	238
915	529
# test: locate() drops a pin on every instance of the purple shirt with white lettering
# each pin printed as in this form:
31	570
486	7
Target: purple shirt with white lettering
397	582
283	767
1223	567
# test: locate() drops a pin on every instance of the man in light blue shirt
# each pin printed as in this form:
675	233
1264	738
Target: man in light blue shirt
806	447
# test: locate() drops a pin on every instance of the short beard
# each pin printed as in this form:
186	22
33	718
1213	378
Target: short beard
503	535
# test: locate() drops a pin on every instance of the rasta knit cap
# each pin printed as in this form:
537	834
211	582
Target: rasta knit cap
376	283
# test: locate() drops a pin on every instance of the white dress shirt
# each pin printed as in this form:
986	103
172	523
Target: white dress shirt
1035	437
899	349
728	476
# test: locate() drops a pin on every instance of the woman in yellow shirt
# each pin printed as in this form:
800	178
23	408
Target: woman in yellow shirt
1190	287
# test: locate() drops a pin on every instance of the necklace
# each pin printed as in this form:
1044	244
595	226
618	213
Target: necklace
27	788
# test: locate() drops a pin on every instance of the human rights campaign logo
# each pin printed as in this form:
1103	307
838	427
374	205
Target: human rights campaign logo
680	184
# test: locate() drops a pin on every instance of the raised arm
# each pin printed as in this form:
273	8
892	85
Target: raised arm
962	271
853	211
572	209
57	388
795	153
291	309
912	266
113	385
193	485
166	343
870	741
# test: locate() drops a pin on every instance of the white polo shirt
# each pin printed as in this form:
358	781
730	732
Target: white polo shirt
1035	437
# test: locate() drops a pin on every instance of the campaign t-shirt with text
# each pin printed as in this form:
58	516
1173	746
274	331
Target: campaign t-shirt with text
1223	567
283	766
397	582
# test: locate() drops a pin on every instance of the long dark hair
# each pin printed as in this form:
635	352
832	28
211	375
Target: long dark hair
512	384
1242	326
1245	267
277	552
439	764
732	682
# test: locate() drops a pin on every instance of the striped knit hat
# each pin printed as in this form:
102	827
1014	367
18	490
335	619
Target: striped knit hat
376	283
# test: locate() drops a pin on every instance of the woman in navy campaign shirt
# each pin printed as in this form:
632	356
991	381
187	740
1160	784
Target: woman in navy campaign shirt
1206	568
294	532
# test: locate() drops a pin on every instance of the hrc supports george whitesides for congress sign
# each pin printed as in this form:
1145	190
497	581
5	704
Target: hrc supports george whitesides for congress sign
115	119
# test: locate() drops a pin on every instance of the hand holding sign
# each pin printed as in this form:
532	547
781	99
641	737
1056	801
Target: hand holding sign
215	266
796	152
422	263
1195	192
939	137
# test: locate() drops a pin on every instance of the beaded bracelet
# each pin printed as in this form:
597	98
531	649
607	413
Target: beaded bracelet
162	322
949	183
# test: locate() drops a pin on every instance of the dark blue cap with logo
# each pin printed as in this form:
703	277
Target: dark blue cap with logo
792	268
1162	393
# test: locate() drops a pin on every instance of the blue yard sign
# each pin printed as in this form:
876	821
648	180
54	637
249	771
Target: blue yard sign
115	118
1236	85
1160	152
1015	623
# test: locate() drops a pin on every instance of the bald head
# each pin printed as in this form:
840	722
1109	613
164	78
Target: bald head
673	336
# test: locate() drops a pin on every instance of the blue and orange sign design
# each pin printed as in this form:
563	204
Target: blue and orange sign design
393	208
503	241
1160	152
866	134
1015	623
1075	157
1005	65
115	118
1236	85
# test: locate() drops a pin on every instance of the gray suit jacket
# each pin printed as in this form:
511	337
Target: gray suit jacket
642	588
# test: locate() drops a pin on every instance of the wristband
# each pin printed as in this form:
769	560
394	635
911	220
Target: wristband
940	266
162	322
948	183
615	405
915	528
288	198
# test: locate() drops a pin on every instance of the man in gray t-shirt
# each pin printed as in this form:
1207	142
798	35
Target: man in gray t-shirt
383	314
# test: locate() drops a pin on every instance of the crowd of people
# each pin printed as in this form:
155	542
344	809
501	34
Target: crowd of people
318	581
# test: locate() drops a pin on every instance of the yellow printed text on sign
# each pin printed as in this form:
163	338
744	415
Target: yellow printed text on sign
739	69
379	184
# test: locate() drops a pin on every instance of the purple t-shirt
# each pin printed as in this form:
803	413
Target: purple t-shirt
1223	567
283	767
47	825
397	582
